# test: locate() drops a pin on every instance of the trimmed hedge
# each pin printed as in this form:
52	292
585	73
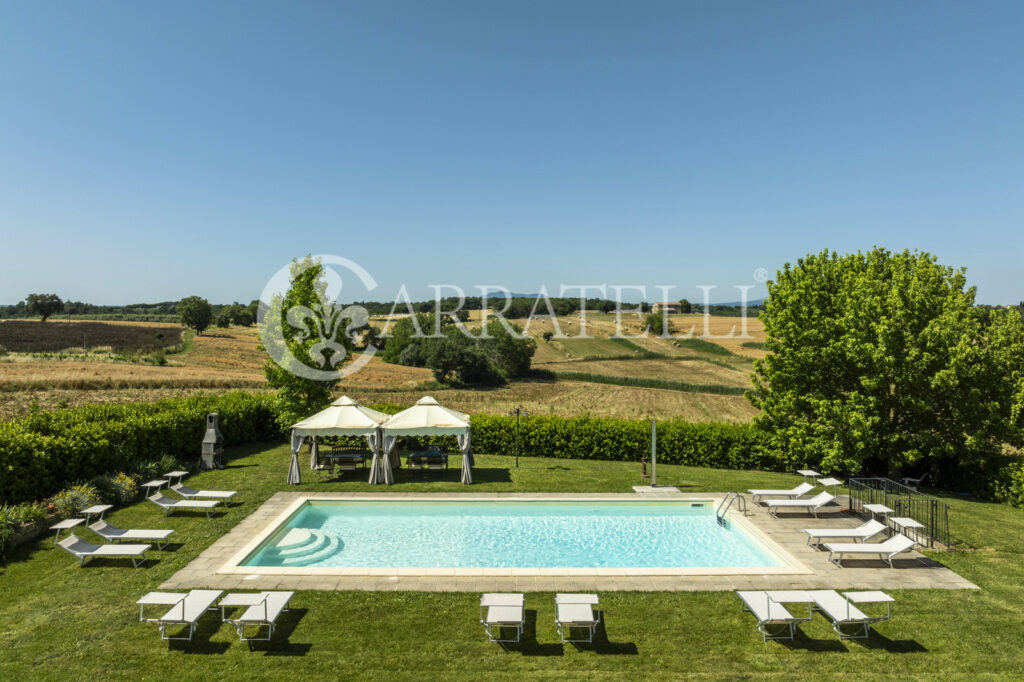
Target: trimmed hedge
726	446
41	453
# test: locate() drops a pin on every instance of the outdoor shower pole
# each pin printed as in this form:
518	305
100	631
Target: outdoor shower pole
654	453
518	412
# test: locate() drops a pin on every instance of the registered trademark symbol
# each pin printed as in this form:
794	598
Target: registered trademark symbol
761	275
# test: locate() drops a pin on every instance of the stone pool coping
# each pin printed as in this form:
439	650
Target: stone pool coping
807	568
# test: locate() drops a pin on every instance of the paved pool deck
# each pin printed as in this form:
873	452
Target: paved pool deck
810	569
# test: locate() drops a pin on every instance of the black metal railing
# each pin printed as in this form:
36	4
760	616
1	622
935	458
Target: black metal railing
905	502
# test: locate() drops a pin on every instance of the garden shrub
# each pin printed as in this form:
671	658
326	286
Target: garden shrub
1009	484
68	503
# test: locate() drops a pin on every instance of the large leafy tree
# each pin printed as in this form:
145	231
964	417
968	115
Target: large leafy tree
44	305
195	312
880	360
299	396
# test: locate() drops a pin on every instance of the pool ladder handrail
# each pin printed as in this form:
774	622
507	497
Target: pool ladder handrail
726	503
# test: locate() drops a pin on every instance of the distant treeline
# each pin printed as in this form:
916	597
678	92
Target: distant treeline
134	312
522	307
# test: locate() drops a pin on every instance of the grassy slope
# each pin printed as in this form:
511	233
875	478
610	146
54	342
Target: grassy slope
61	621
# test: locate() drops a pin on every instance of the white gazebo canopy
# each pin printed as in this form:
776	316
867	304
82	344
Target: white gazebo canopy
344	417
426	418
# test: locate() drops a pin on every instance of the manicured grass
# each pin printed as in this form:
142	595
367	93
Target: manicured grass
58	621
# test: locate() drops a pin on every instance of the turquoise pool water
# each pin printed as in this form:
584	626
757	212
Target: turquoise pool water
514	534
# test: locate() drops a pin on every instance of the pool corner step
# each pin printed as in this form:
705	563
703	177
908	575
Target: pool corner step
333	542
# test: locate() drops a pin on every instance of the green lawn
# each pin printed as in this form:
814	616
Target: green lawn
59	621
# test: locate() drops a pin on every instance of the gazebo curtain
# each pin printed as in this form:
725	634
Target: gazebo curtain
467	458
293	467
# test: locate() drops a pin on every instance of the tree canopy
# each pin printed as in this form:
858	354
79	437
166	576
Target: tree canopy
44	305
880	361
456	358
305	341
195	312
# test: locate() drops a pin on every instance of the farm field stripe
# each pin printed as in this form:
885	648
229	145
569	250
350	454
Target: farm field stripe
651	383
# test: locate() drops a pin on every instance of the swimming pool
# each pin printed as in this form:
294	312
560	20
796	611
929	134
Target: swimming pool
375	536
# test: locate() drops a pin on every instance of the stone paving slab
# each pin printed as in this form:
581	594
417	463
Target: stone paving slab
911	570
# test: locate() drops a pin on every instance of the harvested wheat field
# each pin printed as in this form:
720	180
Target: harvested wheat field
573	399
670	369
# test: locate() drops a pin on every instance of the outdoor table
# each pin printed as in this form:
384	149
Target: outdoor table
905	522
871	597
831	483
64	525
96	509
877	509
158	599
154	485
808	473
171	475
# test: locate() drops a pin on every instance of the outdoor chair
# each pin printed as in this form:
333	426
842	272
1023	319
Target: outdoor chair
170	505
500	611
861	532
888	549
799	490
812	504
190	494
914	483
186	609
115	534
576	612
774	621
86	550
262	609
840	610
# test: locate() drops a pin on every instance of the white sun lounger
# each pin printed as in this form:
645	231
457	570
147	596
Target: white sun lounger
263	608
811	504
86	550
804	487
502	610
186	609
888	549
841	611
189	493
170	505
861	532
115	534
768	608
576	611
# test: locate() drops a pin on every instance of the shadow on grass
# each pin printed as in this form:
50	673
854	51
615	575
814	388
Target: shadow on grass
601	645
491	475
240	466
802	641
558	468
528	644
279	644
893	646
201	644
169	547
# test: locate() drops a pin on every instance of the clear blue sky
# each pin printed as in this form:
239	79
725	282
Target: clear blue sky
150	151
